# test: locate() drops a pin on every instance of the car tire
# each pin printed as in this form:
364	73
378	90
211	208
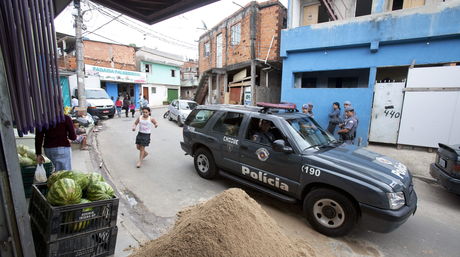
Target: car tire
179	121
166	115
204	164
169	117
329	212
111	116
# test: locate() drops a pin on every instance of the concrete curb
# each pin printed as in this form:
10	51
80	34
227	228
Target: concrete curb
129	235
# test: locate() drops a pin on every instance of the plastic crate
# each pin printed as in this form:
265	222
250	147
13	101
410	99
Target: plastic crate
28	175
58	222
92	244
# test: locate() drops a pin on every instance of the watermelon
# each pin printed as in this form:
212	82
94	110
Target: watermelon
79	177
79	226
95	177
63	192
100	191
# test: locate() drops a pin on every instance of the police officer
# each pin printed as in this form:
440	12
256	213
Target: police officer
308	109
348	128
264	136
345	105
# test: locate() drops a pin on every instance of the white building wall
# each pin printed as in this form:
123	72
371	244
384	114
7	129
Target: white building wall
160	95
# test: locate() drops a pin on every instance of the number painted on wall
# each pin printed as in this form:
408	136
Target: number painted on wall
392	114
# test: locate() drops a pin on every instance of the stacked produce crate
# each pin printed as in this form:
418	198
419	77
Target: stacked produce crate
28	163
86	228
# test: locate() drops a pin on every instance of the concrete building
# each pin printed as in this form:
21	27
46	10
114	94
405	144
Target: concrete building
239	59
188	79
330	54
163	75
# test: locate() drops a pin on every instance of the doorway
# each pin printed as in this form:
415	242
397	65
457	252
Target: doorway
145	93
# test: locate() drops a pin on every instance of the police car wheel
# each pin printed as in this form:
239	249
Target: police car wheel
204	164
330	212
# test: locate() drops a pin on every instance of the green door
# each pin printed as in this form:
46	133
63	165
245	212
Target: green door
172	94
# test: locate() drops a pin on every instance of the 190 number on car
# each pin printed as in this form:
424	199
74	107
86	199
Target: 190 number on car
311	171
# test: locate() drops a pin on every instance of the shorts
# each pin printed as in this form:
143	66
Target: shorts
79	139
143	139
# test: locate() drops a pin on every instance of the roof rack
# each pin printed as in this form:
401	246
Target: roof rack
289	107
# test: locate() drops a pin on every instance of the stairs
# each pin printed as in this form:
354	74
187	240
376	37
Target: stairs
330	10
202	90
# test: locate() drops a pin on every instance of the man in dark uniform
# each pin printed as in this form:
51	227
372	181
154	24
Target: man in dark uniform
264	136
347	130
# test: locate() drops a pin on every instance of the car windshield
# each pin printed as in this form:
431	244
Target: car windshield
308	133
187	105
96	94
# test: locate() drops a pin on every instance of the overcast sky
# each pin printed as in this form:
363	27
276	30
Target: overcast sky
178	35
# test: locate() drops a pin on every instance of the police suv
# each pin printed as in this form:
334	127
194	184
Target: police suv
284	153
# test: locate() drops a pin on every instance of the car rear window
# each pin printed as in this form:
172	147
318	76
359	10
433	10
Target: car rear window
199	118
229	124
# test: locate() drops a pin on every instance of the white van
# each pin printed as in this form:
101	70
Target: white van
99	102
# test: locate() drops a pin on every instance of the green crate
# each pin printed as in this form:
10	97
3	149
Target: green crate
28	174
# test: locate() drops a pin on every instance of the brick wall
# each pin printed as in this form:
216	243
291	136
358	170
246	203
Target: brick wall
269	22
110	55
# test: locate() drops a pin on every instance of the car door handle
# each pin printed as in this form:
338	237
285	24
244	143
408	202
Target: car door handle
243	147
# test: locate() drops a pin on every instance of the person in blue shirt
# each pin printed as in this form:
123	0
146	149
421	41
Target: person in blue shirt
348	128
308	109
334	118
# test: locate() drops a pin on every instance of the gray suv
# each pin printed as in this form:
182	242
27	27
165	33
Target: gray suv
288	156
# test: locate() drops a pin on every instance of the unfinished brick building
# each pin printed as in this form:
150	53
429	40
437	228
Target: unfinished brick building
109	66
239	60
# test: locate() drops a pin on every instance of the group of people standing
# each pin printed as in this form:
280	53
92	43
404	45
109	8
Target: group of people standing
347	123
128	104
125	103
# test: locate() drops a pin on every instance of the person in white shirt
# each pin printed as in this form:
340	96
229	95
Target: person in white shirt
74	101
143	137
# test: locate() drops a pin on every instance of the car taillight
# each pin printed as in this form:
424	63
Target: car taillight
456	167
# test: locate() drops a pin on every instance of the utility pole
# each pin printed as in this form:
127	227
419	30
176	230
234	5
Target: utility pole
79	52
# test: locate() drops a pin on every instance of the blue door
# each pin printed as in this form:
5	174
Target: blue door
64	81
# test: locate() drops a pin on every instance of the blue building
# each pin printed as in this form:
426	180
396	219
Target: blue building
330	54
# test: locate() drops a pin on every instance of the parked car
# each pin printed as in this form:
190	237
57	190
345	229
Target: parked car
99	102
446	168
338	185
180	109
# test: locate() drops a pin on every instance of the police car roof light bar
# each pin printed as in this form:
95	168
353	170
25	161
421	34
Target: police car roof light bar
290	107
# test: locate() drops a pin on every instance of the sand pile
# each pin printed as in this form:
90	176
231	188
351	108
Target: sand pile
230	224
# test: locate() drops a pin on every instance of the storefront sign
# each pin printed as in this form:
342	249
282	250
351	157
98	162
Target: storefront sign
117	75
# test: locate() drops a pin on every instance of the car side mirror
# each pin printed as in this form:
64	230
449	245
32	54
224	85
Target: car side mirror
280	146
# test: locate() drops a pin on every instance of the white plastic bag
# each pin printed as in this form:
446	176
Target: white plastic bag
40	174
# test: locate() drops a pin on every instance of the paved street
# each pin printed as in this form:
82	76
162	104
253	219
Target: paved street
167	182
